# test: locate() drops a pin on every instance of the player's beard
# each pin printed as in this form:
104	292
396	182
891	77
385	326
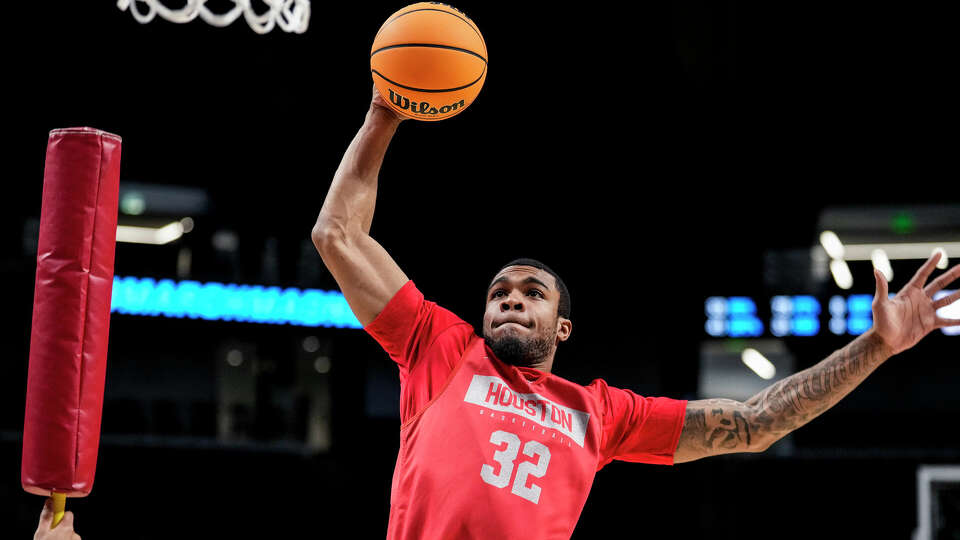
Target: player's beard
523	351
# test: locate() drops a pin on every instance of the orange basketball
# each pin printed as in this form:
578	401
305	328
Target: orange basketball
428	61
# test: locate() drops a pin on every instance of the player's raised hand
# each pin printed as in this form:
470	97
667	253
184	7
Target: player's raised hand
906	318
63	530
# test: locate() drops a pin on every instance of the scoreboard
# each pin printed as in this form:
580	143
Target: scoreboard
798	315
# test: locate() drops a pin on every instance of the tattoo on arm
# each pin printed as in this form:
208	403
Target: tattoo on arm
730	433
794	401
720	426
714	426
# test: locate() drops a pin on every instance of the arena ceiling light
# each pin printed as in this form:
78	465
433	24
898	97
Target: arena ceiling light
831	244
901	231
880	254
841	273
912	250
154	235
835	249
758	363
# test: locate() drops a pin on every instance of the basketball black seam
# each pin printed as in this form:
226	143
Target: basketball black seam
469	23
427	90
468	51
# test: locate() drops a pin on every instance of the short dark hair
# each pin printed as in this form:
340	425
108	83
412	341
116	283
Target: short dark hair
564	307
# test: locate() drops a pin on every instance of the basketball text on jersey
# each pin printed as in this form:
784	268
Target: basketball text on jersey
423	107
494	394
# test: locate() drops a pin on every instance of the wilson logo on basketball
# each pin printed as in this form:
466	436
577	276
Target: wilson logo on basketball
422	107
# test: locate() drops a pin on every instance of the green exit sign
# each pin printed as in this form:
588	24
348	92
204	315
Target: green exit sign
902	223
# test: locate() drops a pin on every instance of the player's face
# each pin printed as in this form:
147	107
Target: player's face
521	320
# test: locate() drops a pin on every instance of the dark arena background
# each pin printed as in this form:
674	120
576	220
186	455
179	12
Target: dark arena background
675	162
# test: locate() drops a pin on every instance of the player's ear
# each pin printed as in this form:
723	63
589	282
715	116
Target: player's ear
564	328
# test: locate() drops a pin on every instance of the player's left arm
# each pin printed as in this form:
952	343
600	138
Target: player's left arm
723	426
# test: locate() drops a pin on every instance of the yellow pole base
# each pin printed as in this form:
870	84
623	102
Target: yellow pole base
59	506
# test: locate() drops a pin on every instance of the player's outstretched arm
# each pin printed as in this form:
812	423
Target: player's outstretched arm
723	426
365	272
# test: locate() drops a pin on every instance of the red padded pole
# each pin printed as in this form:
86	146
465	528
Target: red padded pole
71	312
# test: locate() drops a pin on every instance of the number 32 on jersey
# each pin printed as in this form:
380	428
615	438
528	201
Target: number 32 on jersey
506	458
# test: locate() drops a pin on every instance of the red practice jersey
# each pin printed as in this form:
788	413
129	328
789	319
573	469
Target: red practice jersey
490	450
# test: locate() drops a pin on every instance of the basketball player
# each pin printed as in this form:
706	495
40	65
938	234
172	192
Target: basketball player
493	445
63	530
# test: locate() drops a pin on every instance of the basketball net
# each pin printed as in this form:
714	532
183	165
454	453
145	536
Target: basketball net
289	15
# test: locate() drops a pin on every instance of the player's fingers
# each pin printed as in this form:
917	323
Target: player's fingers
947	300
924	272
882	292
943	322
943	281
